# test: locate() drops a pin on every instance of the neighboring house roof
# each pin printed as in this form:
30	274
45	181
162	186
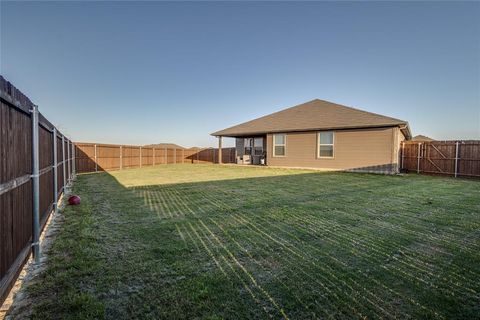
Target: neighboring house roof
165	145
197	148
422	138
314	115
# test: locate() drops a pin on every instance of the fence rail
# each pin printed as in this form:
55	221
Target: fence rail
452	158
32	178
91	157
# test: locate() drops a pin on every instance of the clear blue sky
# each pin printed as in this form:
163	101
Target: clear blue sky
146	72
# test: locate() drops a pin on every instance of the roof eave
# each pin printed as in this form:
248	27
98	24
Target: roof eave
250	133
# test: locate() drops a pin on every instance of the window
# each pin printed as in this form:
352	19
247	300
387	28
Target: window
258	146
279	145
247	143
325	144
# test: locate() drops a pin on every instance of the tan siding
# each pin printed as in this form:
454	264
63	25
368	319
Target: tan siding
363	150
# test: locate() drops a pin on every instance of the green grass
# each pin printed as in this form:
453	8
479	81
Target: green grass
212	242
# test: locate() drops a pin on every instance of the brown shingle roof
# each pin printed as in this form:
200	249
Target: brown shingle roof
313	115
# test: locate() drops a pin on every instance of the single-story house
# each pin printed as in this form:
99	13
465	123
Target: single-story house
321	135
422	138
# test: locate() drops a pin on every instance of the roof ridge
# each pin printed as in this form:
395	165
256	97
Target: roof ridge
360	110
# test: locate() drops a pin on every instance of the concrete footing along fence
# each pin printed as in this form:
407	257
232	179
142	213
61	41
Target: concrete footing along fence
452	158
33	175
92	157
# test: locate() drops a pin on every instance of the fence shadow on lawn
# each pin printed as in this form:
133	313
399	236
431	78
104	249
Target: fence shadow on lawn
290	245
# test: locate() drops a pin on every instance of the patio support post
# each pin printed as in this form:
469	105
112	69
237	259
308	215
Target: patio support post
55	173
456	159
121	157
35	186
219	149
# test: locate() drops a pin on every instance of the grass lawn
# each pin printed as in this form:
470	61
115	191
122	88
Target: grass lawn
211	242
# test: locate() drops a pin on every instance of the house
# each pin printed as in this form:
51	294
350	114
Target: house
321	135
422	138
164	145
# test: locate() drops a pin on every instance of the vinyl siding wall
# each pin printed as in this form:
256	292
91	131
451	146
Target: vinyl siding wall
365	150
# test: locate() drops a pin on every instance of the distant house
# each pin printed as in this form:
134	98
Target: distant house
422	138
322	135
165	145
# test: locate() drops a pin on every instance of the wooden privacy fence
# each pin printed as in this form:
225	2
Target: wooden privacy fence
36	164
91	157
453	158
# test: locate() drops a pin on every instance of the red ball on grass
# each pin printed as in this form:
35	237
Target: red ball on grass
73	200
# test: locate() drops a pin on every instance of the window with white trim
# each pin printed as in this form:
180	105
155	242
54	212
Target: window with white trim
279	145
325	144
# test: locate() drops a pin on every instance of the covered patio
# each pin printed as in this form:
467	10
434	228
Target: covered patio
249	150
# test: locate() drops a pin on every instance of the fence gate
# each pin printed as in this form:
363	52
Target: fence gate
454	158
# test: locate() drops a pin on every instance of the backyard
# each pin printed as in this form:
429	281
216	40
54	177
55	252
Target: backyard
211	241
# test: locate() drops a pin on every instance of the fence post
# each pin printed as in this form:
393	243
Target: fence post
456	159
165	155
183	155
174	155
121	157
63	164
73	160
68	161
55	173
35	186
140	157
96	162
403	155
70	157
153	160
418	157
198	156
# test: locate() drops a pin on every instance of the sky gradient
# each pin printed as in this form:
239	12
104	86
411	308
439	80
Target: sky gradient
149	72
